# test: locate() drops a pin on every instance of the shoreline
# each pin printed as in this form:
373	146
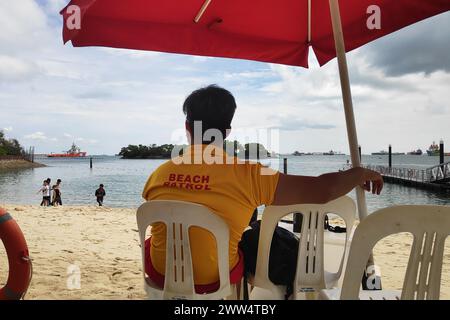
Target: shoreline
103	243
8	165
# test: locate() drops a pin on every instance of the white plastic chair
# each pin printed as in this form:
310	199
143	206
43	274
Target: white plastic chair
429	225
179	216
310	274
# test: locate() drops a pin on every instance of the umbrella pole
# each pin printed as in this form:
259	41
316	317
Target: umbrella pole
351	131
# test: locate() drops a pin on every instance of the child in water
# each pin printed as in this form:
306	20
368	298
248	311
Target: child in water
57	194
100	193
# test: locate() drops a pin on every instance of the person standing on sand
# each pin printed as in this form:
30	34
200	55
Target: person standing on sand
57	194
45	189
100	193
49	202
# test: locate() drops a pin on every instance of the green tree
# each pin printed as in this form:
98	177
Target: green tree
254	150
231	146
10	147
152	151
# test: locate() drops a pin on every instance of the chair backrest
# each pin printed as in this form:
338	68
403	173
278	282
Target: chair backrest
429	225
179	216
310	261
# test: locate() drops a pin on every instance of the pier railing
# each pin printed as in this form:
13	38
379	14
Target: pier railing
419	175
437	174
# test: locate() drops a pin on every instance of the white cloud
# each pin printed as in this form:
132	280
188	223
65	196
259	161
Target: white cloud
134	54
53	6
38	135
7	129
23	24
13	69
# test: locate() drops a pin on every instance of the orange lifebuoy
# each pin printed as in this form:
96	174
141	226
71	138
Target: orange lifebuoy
19	262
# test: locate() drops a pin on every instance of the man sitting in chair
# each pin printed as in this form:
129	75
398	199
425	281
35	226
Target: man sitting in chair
205	174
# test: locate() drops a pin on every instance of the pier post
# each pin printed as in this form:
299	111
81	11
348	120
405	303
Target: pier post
441	152
298	217
90	162
359	150
390	157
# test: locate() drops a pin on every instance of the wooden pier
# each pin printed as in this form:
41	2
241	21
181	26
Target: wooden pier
434	178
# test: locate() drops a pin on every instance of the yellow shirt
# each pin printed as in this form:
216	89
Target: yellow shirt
231	190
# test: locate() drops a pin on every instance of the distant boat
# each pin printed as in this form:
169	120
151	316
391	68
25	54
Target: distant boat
417	152
332	153
296	153
433	150
73	152
383	153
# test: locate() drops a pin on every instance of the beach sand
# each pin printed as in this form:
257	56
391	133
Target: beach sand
103	243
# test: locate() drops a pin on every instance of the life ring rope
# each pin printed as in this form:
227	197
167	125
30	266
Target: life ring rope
20	263
28	259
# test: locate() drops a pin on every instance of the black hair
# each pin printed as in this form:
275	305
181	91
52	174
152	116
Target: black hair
101	185
213	106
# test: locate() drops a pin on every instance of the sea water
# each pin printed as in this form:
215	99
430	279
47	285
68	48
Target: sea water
125	179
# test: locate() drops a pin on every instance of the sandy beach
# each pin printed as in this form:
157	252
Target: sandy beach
103	243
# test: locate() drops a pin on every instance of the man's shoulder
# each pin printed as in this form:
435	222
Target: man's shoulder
168	165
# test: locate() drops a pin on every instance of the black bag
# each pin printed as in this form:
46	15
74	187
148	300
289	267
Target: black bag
283	254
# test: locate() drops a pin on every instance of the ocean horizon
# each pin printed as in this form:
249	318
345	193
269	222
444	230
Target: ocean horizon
124	179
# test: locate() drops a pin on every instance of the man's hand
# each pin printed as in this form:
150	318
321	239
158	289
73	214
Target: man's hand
329	186
372	181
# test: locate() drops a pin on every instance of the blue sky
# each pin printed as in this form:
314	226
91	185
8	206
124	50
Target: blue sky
53	94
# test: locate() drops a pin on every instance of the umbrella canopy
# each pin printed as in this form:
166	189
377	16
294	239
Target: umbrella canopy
262	30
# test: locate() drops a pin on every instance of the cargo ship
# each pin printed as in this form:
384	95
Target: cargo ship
417	152
433	150
73	152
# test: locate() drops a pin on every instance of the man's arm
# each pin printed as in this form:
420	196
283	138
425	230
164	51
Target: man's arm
293	189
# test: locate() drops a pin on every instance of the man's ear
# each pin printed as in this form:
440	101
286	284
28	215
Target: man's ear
188	127
188	131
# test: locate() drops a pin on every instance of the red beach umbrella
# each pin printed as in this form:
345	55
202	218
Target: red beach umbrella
262	30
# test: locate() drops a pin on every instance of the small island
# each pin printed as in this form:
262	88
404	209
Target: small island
153	151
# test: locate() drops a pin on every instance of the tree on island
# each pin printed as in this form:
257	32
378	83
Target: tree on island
153	151
147	152
233	147
10	147
255	150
